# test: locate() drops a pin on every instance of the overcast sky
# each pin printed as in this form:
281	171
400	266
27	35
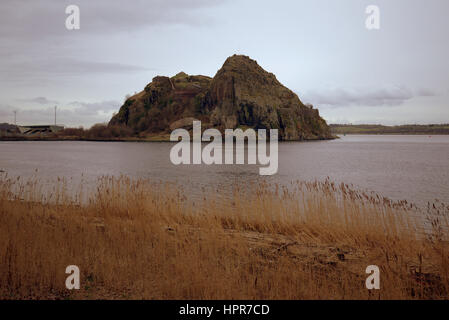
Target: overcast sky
320	49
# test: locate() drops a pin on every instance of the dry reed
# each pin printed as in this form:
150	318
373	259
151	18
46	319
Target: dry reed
134	239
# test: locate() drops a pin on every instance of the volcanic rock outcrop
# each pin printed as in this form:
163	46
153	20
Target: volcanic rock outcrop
241	95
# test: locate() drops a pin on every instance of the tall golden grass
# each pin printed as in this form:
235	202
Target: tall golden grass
135	239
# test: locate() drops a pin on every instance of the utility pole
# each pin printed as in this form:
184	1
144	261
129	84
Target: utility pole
15	117
55	114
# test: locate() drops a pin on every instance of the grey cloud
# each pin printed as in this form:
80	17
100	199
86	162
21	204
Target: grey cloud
6	112
425	92
90	108
39	68
341	97
34	36
46	18
39	100
71	114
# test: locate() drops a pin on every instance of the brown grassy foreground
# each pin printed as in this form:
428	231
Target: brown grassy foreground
136	239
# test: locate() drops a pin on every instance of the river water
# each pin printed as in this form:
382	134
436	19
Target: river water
409	167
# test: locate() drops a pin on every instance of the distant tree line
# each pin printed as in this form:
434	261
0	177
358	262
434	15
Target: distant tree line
97	131
381	129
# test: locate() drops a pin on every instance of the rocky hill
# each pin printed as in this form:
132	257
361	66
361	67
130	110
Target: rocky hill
241	94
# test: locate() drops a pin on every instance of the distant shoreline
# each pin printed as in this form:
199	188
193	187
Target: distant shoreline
100	137
336	129
126	139
336	134
22	138
430	129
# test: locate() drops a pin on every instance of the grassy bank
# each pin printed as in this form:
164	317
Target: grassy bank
137	239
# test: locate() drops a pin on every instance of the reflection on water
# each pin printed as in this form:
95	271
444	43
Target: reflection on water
415	168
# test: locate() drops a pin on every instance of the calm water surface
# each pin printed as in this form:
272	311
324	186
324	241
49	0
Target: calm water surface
415	168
